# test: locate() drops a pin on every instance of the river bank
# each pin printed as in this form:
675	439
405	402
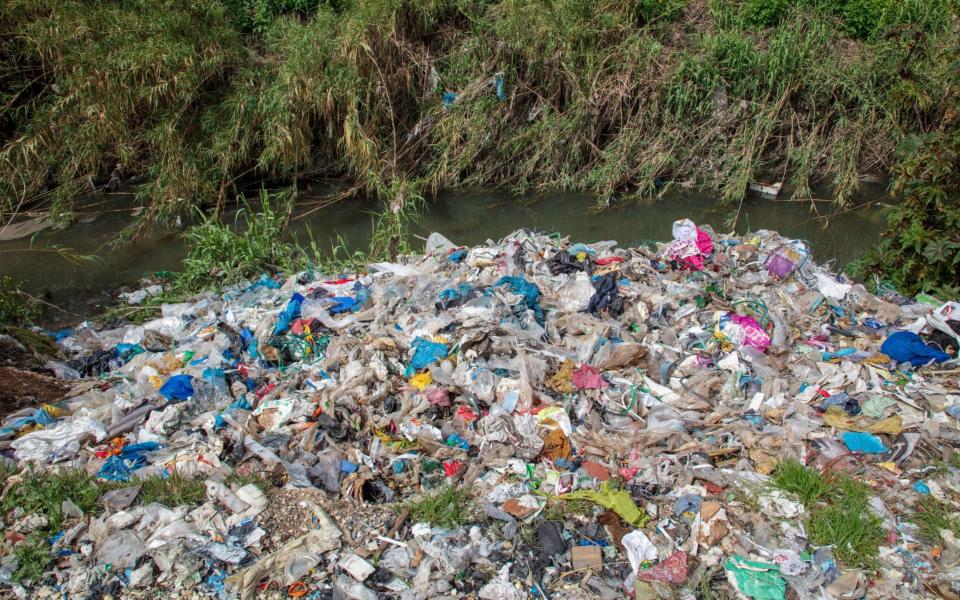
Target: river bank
407	99
83	289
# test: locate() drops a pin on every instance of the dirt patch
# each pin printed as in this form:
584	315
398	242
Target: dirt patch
20	388
288	515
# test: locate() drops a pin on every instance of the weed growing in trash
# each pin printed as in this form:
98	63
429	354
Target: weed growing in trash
44	493
450	507
846	522
33	556
932	515
807	484
839	513
238	479
220	254
173	490
559	510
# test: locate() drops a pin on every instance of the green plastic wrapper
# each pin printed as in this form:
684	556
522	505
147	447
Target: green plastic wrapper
758	580
619	501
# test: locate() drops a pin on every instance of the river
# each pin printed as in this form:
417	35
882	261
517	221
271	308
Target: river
466	217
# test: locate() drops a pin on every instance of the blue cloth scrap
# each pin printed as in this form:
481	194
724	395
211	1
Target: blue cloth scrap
457	256
178	387
859	441
906	346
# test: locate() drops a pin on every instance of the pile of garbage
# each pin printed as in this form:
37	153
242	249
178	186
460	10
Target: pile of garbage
607	422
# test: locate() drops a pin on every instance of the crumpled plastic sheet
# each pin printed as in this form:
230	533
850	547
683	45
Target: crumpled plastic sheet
426	352
616	500
178	387
672	569
906	346
753	579
59	440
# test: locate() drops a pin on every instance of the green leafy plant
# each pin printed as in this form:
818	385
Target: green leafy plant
920	250
173	490
449	507
220	254
932	515
15	309
806	484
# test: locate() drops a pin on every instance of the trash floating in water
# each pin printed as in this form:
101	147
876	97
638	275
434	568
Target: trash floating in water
529	418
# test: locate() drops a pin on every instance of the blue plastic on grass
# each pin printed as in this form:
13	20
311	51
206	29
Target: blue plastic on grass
289	314
426	353
858	441
501	94
530	293
120	467
178	387
921	487
448	99
906	346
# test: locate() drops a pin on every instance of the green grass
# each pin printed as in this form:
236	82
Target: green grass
806	484
838	513
560	510
450	507
847	524
171	491
238	480
33	556
932	515
44	492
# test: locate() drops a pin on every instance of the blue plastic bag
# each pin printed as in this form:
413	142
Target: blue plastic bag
341	304
426	353
178	387
905	346
859	441
289	314
530	293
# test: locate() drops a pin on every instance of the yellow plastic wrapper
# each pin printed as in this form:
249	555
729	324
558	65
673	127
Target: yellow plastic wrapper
421	381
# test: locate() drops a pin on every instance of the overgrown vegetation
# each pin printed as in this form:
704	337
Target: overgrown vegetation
14	309
603	97
450	507
932	515
920	250
838	512
43	493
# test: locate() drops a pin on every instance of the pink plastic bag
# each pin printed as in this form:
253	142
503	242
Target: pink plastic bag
753	334
587	377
